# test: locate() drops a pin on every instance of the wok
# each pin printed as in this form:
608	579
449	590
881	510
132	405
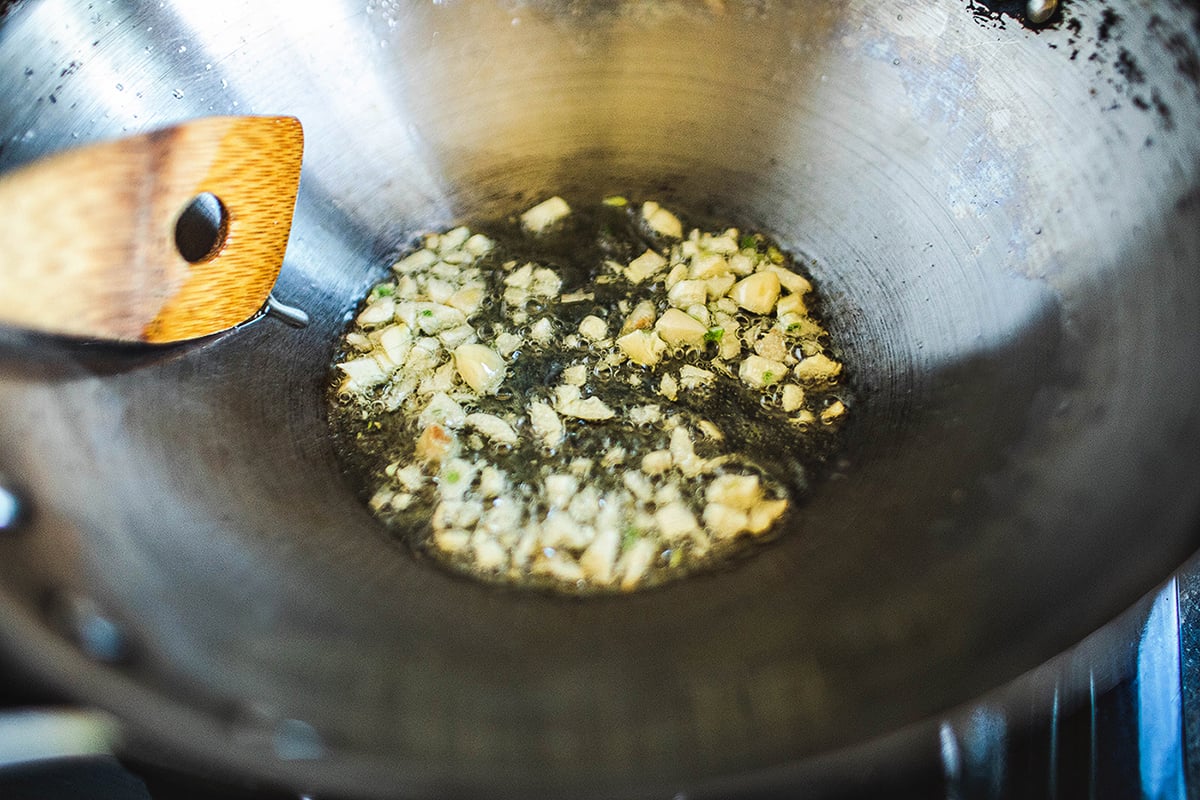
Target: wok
1004	223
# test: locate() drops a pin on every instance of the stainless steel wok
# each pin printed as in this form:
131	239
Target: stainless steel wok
1005	224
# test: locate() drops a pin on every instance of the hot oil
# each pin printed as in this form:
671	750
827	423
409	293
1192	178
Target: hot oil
372	441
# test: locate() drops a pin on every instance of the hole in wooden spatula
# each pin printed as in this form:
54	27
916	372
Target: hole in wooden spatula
201	228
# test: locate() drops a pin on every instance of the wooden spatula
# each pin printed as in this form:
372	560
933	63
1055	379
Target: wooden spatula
161	237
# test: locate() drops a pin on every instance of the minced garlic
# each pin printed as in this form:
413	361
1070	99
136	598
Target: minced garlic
601	474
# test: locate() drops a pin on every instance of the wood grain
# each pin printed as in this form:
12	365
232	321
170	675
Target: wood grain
89	235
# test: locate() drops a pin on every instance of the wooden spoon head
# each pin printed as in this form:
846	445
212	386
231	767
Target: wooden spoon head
96	232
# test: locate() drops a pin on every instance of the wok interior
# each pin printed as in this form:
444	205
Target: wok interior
1014	292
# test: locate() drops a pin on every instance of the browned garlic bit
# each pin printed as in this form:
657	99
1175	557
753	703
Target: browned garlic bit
592	475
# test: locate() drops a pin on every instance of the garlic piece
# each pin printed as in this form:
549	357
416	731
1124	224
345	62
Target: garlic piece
593	328
641	317
599	559
647	265
545	214
763	515
819	367
724	521
480	367
833	412
757	293
736	491
444	411
760	372
796	284
793	397
709	265
378	313
635	562
693	377
546	423
676	521
419	260
361	374
676	328
642	347
662	221
688	293
656	462
492	427
396	340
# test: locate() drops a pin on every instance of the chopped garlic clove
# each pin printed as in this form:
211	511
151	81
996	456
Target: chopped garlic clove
693	377
443	411
599	559
763	515
508	343
683	454
791	304
642	347
719	286
492	427
545	283
362	373
640	318
796	284
668	387
708	265
422	259
819	367
757	293
575	375
793	397
381	312
725	522
432	318
635	563
593	328
736	491
480	367
662	221
546	423
833	412
466	300
521	279
760	372
396	341
678	329
656	462
676	521
545	214
688	293
647	265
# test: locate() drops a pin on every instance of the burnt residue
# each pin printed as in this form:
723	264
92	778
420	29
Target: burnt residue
1097	34
1109	20
1175	42
998	13
1128	67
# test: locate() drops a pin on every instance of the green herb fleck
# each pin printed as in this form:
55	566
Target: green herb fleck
616	201
768	377
775	254
714	334
383	290
428	312
629	536
748	242
452	477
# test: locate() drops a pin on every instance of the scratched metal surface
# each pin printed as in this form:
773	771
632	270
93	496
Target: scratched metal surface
1005	223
